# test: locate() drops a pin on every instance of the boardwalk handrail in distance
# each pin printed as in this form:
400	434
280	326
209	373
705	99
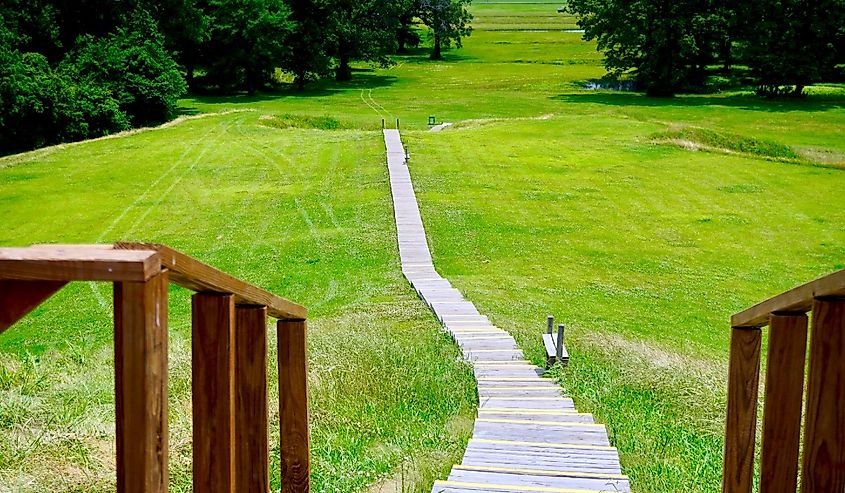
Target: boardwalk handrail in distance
229	361
823	464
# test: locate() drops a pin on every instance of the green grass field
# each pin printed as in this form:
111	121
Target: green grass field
643	224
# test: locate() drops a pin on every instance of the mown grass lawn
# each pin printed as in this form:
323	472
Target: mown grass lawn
543	198
305	214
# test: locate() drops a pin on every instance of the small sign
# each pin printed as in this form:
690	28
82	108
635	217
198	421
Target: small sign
432	120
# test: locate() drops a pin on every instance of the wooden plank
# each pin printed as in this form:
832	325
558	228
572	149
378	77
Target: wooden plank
741	423
212	380
197	276
18	298
77	264
252	471
783	403
140	346
799	299
293	406
824	425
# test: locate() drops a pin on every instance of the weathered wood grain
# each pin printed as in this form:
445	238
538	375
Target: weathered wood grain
77	264
740	428
783	403
824	425
140	360
293	406
252	471
213	395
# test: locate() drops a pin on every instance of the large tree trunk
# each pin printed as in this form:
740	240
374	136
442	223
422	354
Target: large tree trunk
344	70
189	77
437	54
400	40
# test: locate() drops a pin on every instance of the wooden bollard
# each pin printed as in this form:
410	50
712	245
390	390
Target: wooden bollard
550	324
559	345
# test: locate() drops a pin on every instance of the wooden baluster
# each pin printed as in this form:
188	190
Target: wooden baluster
741	423
251	410
784	398
824	426
213	395
140	360
293	406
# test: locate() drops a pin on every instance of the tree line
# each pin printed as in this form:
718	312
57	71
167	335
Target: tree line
673	45
76	69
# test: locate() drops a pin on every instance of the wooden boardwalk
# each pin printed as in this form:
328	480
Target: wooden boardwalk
528	436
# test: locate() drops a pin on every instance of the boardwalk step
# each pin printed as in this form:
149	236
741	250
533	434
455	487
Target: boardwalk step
528	436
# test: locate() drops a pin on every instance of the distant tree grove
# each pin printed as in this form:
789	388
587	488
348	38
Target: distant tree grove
71	70
671	45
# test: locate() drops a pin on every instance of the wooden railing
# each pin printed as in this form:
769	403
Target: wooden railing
229	362
823	458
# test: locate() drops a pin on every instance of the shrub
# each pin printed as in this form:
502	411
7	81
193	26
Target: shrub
133	65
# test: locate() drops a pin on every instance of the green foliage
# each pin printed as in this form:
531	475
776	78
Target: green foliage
308	58
448	22
666	43
133	65
362	30
790	44
43	106
247	39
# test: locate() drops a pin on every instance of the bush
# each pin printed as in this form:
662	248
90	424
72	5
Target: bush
42	106
134	67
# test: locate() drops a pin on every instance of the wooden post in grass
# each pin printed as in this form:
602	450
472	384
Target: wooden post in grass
293	406
559	345
140	363
550	324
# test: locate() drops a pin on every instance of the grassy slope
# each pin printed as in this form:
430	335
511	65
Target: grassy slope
304	213
644	250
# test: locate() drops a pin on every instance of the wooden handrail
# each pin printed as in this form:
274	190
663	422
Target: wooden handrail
823	448
197	276
799	299
229	361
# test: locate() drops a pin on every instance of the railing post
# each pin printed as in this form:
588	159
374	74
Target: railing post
824	426
140	363
741	423
251	440
212	381
293	406
783	403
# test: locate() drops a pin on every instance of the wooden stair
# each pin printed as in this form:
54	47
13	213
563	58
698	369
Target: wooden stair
528	436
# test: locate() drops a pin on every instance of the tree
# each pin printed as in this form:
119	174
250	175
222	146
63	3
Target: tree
789	44
665	44
448	21
307	57
406	32
246	42
133	66
362	30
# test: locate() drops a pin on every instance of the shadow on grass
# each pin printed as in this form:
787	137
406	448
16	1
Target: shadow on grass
362	79
741	101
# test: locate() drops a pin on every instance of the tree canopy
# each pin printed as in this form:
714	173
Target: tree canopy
669	45
85	68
